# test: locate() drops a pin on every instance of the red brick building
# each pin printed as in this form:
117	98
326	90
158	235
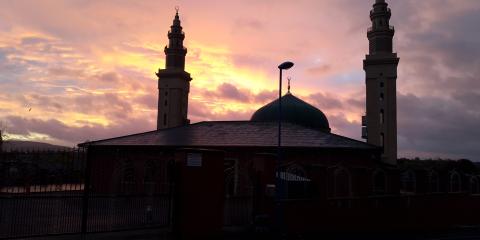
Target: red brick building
231	173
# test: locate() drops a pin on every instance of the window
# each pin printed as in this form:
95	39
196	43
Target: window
379	182
455	182
433	183
474	186
408	182
128	171
382	117
381	84
382	139
149	175
165	102
229	182
342	183
165	119
296	182
128	176
381	97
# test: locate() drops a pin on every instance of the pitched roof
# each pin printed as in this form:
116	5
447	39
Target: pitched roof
235	134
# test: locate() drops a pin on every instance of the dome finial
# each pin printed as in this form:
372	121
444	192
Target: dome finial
288	89
176	9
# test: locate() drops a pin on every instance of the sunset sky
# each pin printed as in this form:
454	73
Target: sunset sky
72	71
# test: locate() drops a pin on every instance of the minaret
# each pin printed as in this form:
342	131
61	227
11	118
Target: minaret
380	65
173	81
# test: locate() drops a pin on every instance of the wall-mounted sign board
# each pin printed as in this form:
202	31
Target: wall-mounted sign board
194	159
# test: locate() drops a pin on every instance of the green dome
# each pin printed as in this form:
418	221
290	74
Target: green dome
294	110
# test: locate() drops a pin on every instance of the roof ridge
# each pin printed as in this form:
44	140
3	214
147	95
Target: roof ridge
355	140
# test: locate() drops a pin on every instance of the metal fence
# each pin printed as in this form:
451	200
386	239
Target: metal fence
43	193
238	211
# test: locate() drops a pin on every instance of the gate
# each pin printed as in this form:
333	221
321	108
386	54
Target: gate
238	201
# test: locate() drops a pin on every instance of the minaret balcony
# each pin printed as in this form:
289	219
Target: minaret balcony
387	11
364	133
390	28
364	121
182	32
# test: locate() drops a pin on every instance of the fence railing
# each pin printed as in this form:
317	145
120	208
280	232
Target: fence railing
43	193
238	211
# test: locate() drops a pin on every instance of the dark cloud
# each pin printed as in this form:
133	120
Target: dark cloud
59	130
50	104
148	100
34	40
325	101
65	71
108	77
266	96
148	52
249	24
340	125
230	91
324	68
201	111
253	61
438	125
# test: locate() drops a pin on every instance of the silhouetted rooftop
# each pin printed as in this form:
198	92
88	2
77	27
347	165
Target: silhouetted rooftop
235	134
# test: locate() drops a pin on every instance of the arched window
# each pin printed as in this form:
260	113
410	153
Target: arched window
150	176
474	186
382	117
150	168
382	139
229	182
455	182
297	183
128	176
379	182
408	181
433	182
342	183
128	171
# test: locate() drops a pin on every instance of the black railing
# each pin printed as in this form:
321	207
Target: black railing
238	211
43	193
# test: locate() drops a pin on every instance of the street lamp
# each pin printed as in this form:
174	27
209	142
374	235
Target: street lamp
279	185
283	66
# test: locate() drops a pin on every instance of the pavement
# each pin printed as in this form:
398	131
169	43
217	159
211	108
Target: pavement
464	233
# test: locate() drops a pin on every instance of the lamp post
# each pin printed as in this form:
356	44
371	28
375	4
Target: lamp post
279	191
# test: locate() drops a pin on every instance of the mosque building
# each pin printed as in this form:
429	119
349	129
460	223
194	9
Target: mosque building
311	151
217	165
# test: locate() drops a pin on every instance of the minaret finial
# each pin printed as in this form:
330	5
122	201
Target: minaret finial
176	9
288	88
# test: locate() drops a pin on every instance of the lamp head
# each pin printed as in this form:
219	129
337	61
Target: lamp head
285	65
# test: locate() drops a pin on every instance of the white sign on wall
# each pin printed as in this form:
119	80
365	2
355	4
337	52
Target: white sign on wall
194	160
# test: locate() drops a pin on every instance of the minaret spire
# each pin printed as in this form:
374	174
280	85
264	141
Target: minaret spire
173	81
380	34
175	51
380	65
